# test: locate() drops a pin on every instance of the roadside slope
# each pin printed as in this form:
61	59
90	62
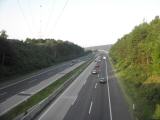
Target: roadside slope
136	59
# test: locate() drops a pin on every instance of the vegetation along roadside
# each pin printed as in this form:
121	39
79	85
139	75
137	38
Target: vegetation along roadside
21	57
136	58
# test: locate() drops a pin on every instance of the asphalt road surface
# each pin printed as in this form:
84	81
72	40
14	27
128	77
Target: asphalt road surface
14	88
87	99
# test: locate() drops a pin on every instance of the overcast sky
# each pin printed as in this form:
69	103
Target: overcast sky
84	22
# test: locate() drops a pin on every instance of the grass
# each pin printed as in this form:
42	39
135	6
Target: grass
125	92
124	89
44	93
130	81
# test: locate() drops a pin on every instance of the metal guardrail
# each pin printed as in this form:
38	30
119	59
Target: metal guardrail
35	110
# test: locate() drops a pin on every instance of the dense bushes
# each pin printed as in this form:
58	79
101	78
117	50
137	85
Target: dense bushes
18	57
137	58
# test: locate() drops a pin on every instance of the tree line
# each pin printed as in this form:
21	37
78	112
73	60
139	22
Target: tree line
137	58
20	57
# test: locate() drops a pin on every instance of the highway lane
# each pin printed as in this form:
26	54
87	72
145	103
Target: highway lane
82	109
29	82
61	105
105	101
99	101
92	101
21	85
24	95
120	110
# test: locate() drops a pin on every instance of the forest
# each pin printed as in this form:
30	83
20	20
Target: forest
136	58
21	57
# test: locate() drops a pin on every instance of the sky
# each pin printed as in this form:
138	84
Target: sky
84	22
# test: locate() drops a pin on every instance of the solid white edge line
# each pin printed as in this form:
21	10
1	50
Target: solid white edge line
74	100
4	111
109	98
50	107
25	79
90	108
29	77
14	104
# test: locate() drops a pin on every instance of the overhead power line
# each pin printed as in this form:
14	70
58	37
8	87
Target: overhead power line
25	19
50	14
40	26
31	14
61	13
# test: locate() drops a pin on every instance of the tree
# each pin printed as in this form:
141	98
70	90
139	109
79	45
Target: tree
6	51
3	34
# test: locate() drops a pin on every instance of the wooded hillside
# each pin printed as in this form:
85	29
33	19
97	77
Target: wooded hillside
19	57
136	57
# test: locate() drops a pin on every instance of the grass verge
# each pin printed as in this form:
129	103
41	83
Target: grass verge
41	95
123	89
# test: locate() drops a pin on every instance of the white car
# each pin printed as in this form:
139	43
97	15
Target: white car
104	57
94	71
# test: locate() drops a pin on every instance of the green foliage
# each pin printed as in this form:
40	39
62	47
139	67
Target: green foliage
3	34
156	115
137	58
18	57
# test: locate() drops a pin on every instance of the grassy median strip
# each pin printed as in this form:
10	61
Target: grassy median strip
41	95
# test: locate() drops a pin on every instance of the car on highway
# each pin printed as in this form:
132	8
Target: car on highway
104	57
102	80
94	71
97	66
71	64
74	61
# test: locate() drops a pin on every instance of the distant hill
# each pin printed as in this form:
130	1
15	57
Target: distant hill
101	47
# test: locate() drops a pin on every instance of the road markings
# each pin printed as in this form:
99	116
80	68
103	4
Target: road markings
90	108
95	85
133	107
26	79
75	98
55	67
34	80
109	98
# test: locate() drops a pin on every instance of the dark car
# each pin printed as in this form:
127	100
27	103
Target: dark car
97	66
102	80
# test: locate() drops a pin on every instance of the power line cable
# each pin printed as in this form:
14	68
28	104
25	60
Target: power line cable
32	18
25	19
50	14
61	13
40	26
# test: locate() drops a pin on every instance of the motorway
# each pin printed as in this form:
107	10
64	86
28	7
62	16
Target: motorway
17	92
87	99
11	89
